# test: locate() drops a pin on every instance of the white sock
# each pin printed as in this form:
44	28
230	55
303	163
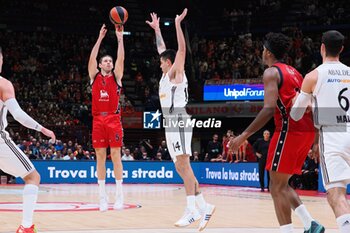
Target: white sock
304	216
102	188
344	223
287	228
30	195
200	201
191	202
119	188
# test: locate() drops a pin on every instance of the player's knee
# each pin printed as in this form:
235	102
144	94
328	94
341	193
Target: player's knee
335	197
181	167
32	178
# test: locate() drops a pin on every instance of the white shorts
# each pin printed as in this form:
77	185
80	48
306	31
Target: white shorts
334	157
179	139
12	159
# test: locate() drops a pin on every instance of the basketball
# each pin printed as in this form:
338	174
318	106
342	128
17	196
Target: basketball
118	15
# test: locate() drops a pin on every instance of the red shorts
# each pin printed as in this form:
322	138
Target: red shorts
107	131
288	151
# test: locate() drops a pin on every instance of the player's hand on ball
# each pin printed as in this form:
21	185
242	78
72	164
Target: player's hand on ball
119	28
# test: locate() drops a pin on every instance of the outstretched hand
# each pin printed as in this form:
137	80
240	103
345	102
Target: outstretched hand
49	134
103	31
236	142
155	21
179	18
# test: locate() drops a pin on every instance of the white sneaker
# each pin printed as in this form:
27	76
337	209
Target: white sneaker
188	218
206	216
119	202
103	204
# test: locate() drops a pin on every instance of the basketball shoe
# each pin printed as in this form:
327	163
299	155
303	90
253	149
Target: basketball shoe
103	204
119	202
206	213
315	228
31	229
187	218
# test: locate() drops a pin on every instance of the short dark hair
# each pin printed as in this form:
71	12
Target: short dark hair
0	49
278	44
103	56
333	41
168	54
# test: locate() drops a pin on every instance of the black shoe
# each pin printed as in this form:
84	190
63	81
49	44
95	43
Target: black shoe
315	228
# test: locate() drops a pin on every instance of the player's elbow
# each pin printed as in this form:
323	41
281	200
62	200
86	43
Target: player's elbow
181	52
269	111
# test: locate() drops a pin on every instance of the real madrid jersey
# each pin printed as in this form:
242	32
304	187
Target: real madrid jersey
331	96
3	115
173	97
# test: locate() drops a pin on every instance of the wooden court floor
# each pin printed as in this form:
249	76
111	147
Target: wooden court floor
70	208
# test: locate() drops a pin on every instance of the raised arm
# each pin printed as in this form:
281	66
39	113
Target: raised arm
8	97
92	66
159	39
178	67
119	63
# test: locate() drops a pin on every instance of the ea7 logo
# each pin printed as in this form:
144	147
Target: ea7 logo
152	120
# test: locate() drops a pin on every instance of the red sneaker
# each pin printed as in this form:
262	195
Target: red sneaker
31	229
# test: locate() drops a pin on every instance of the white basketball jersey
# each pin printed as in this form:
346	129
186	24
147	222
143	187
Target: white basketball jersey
3	121
331	97
173	97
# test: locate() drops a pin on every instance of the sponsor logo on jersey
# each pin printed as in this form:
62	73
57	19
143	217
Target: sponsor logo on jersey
104	95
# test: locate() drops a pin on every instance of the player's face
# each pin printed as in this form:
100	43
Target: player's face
1	61
106	64
164	65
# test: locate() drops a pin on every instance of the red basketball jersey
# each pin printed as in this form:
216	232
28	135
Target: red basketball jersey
105	95
290	83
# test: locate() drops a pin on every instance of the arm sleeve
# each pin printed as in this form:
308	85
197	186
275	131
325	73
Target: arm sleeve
300	105
20	116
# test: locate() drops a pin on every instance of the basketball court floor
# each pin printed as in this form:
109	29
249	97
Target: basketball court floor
71	208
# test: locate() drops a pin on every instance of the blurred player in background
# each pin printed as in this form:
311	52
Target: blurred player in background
12	159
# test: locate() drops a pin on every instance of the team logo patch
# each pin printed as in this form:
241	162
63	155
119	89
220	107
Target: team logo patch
60	206
152	120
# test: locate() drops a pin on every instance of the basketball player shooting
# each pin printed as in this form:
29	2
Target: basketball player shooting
107	127
173	96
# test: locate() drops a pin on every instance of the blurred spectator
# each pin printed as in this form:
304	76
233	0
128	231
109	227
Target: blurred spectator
127	156
163	149
261	147
158	157
213	149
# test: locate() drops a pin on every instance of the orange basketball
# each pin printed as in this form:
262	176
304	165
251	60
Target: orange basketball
118	15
